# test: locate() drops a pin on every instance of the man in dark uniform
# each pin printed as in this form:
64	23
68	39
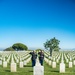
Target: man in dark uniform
41	57
33	58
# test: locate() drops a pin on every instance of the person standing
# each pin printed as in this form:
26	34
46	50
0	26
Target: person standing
41	57
33	58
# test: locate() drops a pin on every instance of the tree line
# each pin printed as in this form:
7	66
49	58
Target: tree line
17	47
51	45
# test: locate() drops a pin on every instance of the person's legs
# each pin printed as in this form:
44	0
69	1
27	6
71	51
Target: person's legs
33	63
41	61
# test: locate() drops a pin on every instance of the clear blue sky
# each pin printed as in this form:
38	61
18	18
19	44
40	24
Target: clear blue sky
32	22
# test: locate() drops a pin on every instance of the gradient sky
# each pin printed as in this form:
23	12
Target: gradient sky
32	22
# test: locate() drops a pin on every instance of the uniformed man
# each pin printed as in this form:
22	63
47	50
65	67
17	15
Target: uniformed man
33	58
41	57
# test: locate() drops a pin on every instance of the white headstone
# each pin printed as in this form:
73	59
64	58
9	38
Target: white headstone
4	64
70	64
50	62
17	61
67	60
62	68
13	67
0	62
38	69
74	62
4	59
57	60
24	63
21	64
53	64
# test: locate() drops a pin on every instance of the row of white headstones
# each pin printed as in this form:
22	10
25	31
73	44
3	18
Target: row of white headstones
68	56
14	58
21	58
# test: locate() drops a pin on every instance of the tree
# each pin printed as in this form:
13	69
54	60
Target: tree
37	50
52	44
9	49
19	46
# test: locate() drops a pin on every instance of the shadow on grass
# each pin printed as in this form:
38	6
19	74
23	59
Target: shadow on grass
27	66
30	71
7	70
55	71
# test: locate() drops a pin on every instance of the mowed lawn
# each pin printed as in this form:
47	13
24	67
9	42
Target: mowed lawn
28	70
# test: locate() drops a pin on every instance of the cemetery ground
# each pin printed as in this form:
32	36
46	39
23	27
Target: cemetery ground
23	63
28	70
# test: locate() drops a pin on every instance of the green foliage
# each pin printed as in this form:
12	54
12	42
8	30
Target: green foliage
19	46
9	49
38	49
52	44
56	49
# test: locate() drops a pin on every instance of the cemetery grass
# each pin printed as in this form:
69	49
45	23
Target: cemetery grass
55	71
28	70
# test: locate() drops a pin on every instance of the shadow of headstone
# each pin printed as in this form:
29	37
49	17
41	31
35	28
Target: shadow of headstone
55	71
7	70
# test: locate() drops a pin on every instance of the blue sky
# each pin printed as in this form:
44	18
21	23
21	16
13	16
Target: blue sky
32	22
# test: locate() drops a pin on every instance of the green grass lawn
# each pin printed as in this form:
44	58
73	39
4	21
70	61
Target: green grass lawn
50	71
28	70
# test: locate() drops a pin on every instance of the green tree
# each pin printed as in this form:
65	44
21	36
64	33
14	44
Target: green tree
37	50
9	49
51	45
19	46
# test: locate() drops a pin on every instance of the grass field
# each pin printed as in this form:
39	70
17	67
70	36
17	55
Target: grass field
28	70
